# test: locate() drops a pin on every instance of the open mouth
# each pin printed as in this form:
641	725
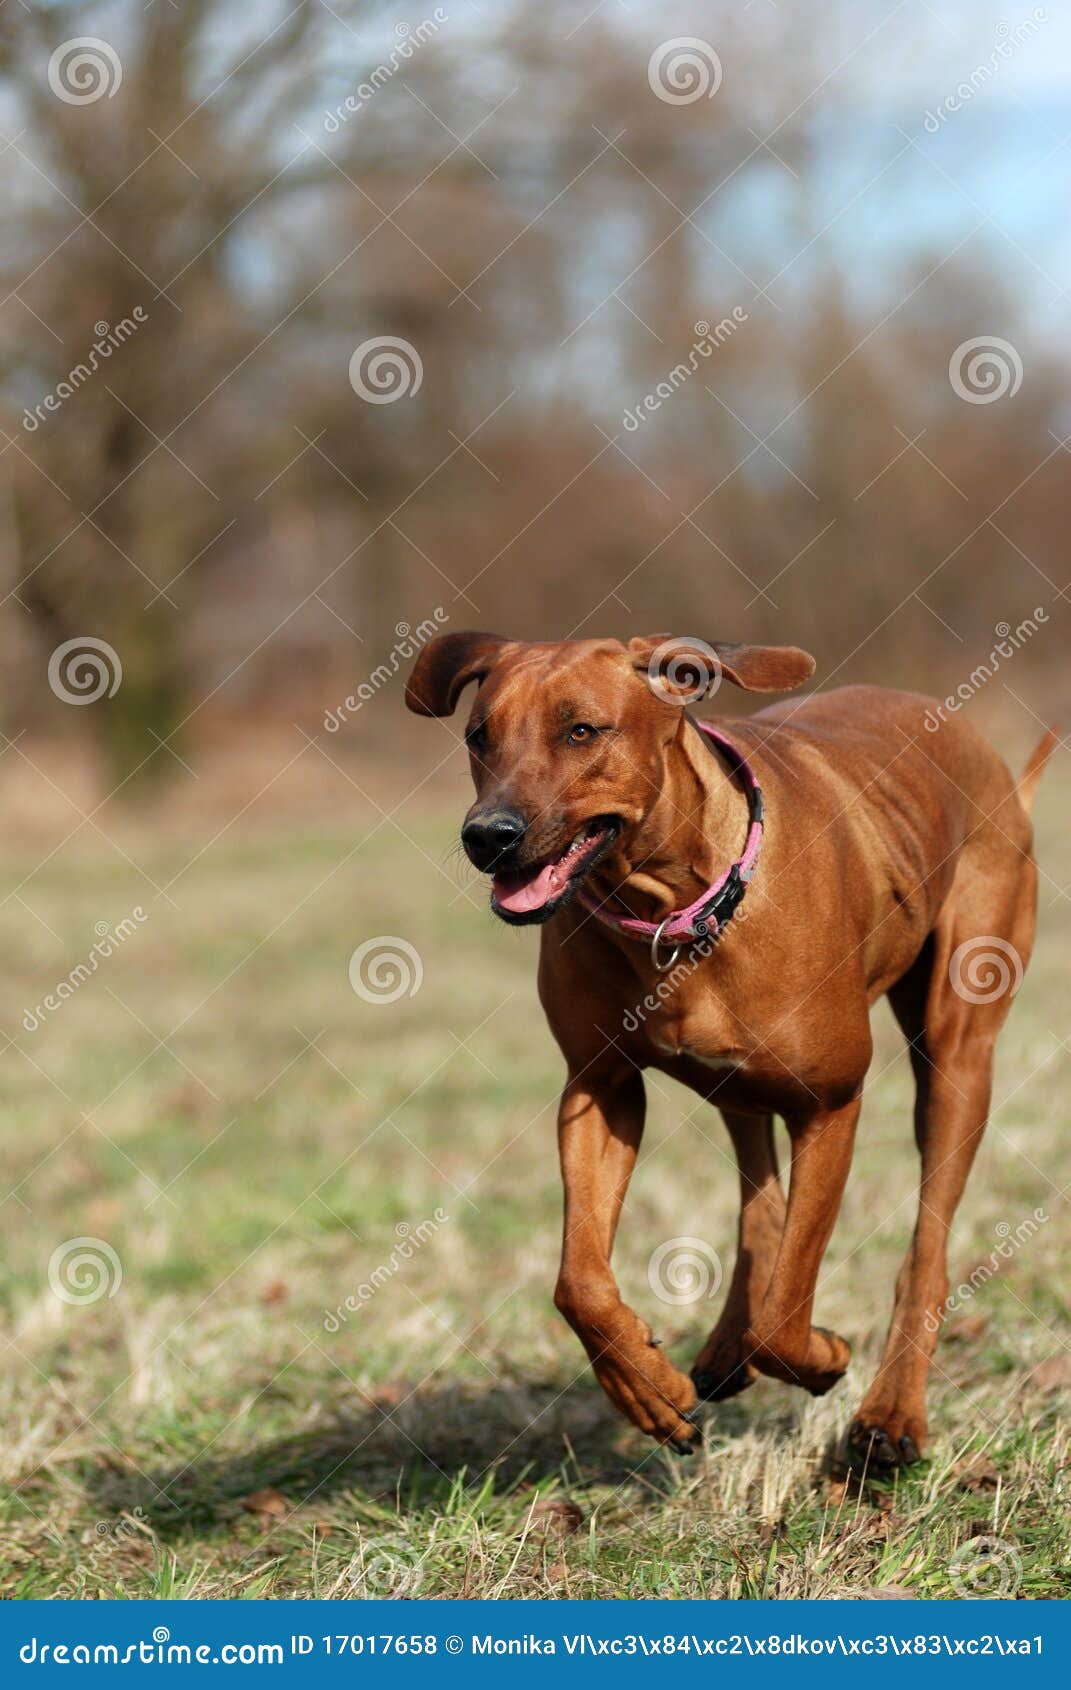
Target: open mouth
533	893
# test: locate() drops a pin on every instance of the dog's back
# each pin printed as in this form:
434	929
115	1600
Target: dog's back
898	800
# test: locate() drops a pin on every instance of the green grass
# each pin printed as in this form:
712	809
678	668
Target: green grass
252	1171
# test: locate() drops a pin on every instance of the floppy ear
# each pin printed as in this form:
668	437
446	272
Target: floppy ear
446	665
689	669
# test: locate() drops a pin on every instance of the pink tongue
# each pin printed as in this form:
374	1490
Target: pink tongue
529	889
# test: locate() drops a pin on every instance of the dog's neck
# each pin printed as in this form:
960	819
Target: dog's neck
691	834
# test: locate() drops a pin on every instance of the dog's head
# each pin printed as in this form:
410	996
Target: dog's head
568	741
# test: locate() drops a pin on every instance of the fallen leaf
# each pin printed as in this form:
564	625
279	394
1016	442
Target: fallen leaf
321	1529
1053	1374
267	1504
884	1521
976	1473
845	1484
886	1593
276	1292
553	1519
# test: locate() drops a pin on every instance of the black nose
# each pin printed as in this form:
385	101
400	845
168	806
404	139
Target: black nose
490	836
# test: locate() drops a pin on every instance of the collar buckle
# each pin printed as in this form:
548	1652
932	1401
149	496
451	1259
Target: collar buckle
723	906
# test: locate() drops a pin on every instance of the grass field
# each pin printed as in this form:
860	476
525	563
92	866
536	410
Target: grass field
254	1143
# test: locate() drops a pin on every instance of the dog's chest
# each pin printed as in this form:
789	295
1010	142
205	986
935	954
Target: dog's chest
746	1050
674	1029
692	1049
714	1054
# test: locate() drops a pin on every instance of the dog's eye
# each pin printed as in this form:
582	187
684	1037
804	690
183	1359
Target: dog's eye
476	738
581	732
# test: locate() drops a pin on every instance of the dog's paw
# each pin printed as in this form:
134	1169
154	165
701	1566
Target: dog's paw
881	1446
817	1369
830	1372
717	1384
642	1382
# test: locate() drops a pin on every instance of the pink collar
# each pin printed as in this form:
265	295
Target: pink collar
710	912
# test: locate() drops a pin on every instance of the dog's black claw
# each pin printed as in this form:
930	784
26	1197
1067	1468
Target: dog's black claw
692	1417
874	1446
655	1343
686	1446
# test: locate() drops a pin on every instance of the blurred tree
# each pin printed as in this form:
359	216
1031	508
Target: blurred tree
507	194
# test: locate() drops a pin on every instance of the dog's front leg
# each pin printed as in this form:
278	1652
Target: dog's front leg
600	1124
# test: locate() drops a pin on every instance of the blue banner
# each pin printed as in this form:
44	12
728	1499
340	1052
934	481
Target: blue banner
615	1643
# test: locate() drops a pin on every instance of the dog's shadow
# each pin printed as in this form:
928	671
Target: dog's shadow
409	1456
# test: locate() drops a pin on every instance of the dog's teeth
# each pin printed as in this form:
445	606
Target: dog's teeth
589	831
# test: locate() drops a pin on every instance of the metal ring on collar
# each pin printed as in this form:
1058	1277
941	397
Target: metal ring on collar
663	967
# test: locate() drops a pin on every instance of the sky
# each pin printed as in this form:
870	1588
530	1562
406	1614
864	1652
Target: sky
898	176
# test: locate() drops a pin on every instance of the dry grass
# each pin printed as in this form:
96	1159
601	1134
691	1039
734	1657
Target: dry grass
247	1135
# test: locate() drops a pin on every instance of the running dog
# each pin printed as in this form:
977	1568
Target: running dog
869	855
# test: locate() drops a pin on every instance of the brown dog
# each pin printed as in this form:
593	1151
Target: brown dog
895	857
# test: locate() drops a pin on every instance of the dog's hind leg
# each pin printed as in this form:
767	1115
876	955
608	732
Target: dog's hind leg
950	1005
781	1341
721	1369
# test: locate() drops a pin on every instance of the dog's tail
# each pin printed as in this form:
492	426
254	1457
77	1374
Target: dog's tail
1027	784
